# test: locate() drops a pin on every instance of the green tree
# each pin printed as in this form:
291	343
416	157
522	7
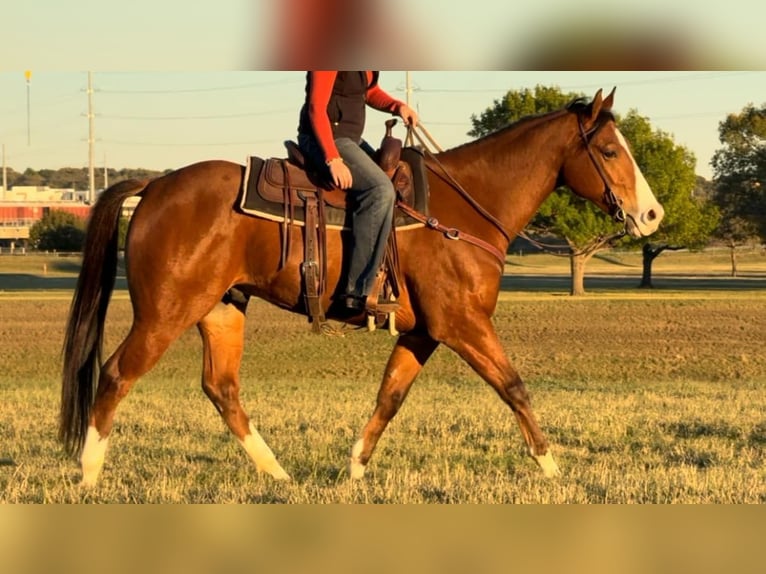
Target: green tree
739	177
29	177
518	104
583	226
76	177
122	232
58	231
669	169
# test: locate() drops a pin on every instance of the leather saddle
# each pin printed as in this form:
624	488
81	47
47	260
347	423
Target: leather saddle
291	180
298	188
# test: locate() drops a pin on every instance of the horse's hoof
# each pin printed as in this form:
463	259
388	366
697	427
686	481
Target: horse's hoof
356	470
548	465
355	467
278	473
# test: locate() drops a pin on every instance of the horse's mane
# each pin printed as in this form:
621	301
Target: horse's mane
577	106
581	105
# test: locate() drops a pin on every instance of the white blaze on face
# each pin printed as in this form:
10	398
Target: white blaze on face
648	213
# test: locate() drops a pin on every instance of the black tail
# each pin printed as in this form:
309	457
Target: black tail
85	328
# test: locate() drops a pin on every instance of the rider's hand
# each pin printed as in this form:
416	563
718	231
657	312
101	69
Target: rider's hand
409	116
341	175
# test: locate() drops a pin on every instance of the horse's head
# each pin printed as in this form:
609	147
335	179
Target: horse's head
602	169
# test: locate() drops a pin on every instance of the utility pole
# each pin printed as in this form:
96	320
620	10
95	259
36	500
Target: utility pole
28	76
91	142
407	92
5	177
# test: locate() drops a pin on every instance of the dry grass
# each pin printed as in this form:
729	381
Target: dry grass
652	399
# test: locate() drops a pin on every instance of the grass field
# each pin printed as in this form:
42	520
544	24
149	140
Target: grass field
652	396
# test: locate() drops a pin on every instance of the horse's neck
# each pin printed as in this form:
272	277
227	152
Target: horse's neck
509	173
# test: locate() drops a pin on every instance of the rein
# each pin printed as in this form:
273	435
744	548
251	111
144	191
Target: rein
446	176
613	203
452	232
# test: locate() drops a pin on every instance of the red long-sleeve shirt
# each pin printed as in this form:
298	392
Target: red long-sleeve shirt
321	87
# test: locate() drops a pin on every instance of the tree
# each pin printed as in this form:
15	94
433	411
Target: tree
29	177
122	232
669	169
584	227
739	177
518	104
58	231
75	177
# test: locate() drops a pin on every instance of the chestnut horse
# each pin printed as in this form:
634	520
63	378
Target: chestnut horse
188	245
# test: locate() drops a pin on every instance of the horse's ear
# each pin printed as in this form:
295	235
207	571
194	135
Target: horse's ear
598	105
595	108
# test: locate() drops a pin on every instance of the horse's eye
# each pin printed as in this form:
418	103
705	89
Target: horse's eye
610	153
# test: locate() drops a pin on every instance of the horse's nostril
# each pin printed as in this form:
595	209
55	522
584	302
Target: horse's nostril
651	215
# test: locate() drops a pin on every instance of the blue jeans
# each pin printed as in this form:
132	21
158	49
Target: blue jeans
371	201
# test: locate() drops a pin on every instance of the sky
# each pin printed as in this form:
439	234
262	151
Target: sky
480	34
165	120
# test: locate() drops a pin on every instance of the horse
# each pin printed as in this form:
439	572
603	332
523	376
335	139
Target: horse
188	245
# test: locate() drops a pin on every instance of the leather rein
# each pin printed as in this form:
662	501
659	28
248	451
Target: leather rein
613	203
452	232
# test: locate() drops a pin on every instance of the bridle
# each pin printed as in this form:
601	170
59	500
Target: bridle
613	203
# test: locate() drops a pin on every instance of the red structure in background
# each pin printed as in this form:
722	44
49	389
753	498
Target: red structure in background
17	217
13	214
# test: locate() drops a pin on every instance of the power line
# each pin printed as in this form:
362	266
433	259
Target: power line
656	80
210	117
285	81
187	144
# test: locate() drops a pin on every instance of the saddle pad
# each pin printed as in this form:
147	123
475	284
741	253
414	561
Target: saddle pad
252	203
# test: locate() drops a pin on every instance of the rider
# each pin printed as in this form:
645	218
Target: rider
332	120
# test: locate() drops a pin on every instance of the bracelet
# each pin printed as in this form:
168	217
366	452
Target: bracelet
329	161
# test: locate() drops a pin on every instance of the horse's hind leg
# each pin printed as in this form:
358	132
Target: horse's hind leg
222	333
407	359
137	354
477	343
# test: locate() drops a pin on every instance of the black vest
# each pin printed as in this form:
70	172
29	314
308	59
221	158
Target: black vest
347	105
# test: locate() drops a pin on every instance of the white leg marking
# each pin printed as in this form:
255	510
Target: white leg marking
92	458
549	466
356	468
262	455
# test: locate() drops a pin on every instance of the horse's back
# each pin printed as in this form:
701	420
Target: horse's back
179	205
213	175
199	187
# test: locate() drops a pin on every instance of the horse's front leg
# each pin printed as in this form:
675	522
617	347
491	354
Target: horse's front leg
477	343
407	359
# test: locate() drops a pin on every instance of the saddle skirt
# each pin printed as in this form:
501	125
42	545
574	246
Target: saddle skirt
270	185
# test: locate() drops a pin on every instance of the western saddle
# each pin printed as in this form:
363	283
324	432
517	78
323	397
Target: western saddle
293	182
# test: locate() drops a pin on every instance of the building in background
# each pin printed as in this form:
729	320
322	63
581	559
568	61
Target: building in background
24	205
